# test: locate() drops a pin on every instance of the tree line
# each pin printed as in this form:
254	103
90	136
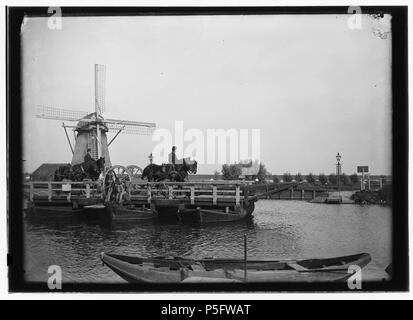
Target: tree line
234	171
322	178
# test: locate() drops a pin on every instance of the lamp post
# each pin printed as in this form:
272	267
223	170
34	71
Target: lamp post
338	157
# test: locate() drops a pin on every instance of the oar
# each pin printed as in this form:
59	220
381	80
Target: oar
245	257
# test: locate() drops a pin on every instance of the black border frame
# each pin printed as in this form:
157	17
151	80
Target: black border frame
400	280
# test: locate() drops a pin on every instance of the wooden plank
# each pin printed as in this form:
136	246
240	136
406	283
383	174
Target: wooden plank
237	195
214	195
297	266
49	191
192	195
149	194
31	191
197	267
195	183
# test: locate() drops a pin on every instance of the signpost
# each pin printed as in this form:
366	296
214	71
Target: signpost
363	170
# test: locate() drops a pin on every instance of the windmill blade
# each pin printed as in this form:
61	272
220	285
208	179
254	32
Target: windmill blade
46	112
100	83
130	127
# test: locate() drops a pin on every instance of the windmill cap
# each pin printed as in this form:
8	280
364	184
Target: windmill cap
88	125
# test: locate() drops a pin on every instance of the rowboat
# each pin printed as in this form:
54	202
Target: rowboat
183	270
52	211
205	215
118	212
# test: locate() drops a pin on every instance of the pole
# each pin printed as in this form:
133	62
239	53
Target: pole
362	179
338	176
245	257
368	177
98	145
67	136
120	130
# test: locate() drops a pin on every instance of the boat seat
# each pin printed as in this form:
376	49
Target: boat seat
148	264
296	266
197	267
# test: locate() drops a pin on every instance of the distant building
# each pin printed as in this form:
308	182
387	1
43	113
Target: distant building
249	171
45	172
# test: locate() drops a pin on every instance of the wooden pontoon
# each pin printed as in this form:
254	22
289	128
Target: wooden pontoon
194	202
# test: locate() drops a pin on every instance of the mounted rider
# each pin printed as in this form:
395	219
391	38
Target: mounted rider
87	160
172	158
88	156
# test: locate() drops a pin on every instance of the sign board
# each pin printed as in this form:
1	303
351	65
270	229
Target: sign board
66	187
362	169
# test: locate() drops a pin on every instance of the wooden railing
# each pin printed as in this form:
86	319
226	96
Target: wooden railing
193	192
52	189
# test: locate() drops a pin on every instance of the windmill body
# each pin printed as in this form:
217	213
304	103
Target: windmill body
92	129
87	138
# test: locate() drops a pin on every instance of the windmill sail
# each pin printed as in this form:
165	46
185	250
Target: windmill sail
100	83
46	112
131	127
91	127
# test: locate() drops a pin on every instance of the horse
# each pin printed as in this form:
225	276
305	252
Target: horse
177	172
93	168
90	170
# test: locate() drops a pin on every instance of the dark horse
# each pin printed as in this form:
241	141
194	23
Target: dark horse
177	172
86	170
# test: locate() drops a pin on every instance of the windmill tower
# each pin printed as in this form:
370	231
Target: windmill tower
91	128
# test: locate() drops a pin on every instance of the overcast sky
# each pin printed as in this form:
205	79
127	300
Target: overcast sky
312	85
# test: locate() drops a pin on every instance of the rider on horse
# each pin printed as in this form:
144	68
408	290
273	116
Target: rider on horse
175	170
87	159
173	159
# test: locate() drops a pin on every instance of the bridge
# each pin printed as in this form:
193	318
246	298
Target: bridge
219	199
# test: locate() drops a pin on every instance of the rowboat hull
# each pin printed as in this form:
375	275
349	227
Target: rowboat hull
118	212
178	270
212	215
52	212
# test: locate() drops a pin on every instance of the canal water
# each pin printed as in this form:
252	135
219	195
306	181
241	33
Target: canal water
279	229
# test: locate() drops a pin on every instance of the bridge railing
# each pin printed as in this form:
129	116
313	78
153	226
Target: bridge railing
51	190
193	192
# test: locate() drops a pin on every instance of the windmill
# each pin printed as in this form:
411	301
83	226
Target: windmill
91	128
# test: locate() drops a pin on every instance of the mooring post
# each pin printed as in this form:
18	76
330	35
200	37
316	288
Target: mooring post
31	190
87	190
245	257
237	195
302	194
291	194
192	194
313	194
149	194
49	189
214	195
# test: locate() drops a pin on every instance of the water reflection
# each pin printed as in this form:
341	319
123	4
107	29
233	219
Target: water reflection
279	229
